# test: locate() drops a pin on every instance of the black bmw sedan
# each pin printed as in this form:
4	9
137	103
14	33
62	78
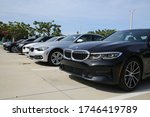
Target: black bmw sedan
123	59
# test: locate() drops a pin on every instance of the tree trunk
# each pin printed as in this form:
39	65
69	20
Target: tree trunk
48	33
13	39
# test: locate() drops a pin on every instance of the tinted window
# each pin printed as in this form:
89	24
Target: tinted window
129	38
44	39
21	40
97	38
60	38
131	35
86	38
38	39
52	39
30	40
70	38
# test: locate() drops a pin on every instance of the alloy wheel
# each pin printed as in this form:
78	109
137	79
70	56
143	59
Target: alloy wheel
14	49
132	74
56	57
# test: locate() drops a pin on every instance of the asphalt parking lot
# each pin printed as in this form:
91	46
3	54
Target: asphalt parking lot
23	79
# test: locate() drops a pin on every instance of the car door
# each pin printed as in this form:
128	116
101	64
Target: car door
146	58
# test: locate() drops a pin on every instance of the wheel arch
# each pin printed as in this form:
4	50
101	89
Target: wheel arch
55	49
127	60
139	59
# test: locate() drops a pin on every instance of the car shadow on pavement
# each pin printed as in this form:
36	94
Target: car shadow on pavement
98	86
143	86
42	63
9	52
45	64
20	53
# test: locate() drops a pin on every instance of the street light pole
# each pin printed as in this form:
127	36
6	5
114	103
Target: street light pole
131	18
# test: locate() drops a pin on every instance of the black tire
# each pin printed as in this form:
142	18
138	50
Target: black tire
55	57
13	49
131	75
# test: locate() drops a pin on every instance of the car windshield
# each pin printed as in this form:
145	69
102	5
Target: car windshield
52	39
70	38
21	40
38	39
130	35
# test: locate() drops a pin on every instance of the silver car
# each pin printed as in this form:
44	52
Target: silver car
26	48
53	52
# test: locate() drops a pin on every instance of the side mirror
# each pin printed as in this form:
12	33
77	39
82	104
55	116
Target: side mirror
80	40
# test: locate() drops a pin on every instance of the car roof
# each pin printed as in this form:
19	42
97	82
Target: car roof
136	30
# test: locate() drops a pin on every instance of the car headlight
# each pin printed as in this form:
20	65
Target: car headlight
105	55
41	48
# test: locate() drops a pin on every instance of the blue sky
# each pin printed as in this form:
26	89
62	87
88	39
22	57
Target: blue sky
78	15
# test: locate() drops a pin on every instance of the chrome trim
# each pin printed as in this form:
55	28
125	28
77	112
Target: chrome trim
88	54
64	54
72	58
120	53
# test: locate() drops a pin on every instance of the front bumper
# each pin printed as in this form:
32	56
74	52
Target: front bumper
103	71
25	50
19	48
7	47
41	56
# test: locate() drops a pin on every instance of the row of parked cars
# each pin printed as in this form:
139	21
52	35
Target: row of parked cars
49	49
122	58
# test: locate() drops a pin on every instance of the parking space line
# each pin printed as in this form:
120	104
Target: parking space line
44	69
129	95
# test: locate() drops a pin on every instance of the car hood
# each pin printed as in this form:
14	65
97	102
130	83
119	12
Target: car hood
103	46
61	44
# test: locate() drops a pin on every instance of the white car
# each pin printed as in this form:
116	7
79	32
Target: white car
26	48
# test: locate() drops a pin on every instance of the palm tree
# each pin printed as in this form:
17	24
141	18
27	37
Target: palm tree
44	28
56	30
47	28
104	32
